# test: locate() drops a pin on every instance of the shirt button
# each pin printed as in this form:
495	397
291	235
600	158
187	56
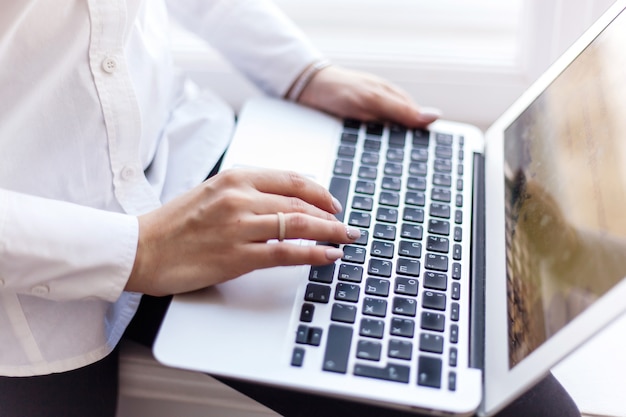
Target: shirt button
40	290
109	65
128	173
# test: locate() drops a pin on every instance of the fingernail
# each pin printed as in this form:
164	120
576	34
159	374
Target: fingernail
337	205
334	253
429	114
353	232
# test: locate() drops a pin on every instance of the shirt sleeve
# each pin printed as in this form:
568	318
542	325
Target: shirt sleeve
254	35
63	251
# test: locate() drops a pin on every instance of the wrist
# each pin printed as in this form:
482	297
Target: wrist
298	86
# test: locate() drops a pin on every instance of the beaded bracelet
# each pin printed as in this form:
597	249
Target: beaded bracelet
304	78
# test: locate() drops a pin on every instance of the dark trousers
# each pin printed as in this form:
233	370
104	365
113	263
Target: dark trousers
92	390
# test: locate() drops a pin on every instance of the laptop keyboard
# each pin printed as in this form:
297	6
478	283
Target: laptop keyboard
392	302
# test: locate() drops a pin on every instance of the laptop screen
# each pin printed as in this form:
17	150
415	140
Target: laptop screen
565	186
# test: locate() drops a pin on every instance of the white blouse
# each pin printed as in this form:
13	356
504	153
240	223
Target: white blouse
96	127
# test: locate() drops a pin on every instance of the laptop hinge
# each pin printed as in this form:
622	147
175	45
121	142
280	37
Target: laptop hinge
477	273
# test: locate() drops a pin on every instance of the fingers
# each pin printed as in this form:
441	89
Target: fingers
299	226
302	194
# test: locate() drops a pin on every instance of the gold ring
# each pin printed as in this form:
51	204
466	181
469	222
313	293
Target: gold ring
281	226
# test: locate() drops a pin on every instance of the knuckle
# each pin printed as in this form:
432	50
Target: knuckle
295	179
296	205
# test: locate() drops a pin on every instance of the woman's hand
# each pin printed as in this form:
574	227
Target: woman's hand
362	96
219	231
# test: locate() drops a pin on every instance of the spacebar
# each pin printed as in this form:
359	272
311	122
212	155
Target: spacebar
339	188
337	349
397	373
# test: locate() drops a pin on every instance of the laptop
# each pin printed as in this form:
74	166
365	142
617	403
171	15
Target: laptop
484	258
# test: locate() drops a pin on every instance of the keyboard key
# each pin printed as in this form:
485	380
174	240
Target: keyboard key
402	327
452	381
347	292
309	335
349	137
419	155
454	311
411	231
346	151
337	348
367	172
456	291
435	281
360	219
441	194
389	198
443	180
453	357
370	158
297	357
306	313
440	210
444	139
412	214
384	231
382	249
400	349
354	254
374	128
458	216
405	286
459	200
439	227
377	286
387	215
443	166
391	183
433	321
317	293
421	137
343	167
434	300
410	249
456	270
362	203
429	372
391	372
437	244
404	306
372	328
454	333
322	273
372	144
415	198
458	234
456	252
431	343
393	169
345	313
416	183
351	273
362	187
444	152
369	349
395	154
410	267
419	169
436	262
379	267
374	307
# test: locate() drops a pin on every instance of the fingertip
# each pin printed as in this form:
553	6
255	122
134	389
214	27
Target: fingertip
428	115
